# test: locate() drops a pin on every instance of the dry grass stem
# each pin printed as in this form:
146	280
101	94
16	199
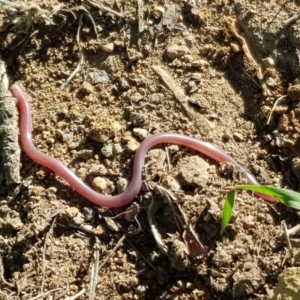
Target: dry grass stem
175	89
113	251
46	293
250	56
140	15
2	279
152	224
95	270
289	245
104	8
77	69
76	295
275	104
44	253
140	253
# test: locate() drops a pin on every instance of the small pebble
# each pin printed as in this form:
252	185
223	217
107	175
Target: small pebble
102	184
171	183
109	48
248	222
199	63
173	149
192	87
122	185
238	137
187	58
132	145
270	81
89	213
140	133
107	150
235	47
176	51
51	190
97	170
105	129
41	174
158	12
294	92
118	148
84	154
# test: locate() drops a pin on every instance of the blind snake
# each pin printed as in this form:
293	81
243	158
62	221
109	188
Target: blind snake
134	187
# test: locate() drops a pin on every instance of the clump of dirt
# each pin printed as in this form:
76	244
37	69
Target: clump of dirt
102	77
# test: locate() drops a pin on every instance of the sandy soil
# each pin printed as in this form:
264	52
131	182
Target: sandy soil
209	69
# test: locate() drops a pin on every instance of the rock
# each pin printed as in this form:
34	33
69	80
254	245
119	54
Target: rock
102	184
107	150
294	92
158	12
235	47
132	145
238	137
74	215
140	133
249	222
97	170
243	285
117	148
176	51
288	285
193	171
104	129
122	184
109	48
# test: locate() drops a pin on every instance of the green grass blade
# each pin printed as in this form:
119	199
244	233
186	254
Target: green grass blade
286	197
227	210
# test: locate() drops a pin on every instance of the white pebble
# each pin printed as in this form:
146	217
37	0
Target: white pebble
118	148
140	133
122	185
109	48
107	150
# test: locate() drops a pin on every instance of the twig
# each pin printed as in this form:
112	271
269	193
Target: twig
44	253
288	242
2	279
94	271
140	15
151	220
78	31
173	86
232	27
81	59
140	253
254	81
289	21
276	102
76	295
11	4
293	231
77	69
45	294
113	251
168	159
107	9
80	7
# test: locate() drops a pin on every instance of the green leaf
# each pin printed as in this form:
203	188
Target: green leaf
227	210
286	197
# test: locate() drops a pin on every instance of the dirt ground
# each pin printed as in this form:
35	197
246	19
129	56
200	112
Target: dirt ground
102	76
